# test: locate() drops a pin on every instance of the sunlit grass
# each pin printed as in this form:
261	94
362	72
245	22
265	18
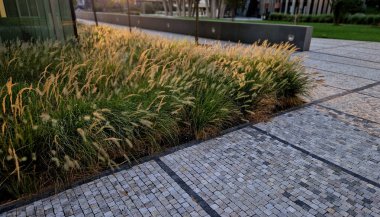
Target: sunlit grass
70	110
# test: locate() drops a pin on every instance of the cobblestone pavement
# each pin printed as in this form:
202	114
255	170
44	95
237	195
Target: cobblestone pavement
319	160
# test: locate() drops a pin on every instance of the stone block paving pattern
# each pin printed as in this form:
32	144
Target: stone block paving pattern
322	159
339	81
144	190
373	91
323	134
363	106
254	174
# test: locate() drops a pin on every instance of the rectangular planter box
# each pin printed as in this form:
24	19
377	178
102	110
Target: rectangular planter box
226	31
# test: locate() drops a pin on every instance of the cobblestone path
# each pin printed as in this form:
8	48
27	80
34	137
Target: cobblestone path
319	160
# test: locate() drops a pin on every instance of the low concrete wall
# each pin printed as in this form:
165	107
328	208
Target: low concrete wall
226	31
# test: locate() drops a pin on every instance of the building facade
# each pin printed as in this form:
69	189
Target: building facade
36	19
257	8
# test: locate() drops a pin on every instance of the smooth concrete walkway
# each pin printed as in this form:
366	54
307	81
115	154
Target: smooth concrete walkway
319	160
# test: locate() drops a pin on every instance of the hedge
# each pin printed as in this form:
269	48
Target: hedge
326	18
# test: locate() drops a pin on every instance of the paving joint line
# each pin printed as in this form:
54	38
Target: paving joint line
286	143
23	202
358	51
361	93
343	56
356	90
366	94
51	192
344	113
315	102
198	199
324	70
341	46
343	63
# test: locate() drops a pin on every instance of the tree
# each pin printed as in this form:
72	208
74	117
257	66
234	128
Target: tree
129	16
221	8
94	11
196	21
341	7
74	18
234	4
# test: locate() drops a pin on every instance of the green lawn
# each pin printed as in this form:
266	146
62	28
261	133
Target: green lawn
343	31
328	30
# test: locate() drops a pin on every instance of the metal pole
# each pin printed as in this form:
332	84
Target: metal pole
94	10
74	18
129	16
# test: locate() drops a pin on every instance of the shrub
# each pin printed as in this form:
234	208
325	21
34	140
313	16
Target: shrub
69	110
358	18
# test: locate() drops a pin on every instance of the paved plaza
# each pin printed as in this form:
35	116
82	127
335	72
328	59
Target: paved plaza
322	159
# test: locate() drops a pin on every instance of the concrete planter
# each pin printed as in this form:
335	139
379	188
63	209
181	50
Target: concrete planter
300	36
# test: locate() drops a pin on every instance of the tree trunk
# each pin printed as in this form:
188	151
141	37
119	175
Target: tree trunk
94	11
190	8
183	8
223	8
178	8
234	7
196	21
219	8
165	4
170	7
74	18
213	8
129	16
207	7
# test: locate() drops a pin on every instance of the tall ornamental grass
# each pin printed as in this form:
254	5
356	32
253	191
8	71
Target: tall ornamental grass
70	110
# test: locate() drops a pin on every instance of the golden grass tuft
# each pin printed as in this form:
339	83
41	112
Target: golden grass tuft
75	108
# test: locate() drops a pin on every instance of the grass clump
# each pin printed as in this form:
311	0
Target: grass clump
69	110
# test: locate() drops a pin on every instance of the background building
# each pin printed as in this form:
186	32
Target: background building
42	19
256	8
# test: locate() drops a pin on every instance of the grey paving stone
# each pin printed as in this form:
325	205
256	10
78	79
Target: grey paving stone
364	125
246	173
322	133
124	188
318	91
271	171
338	59
363	106
369	45
352	53
359	50
373	91
367	73
337	80
320	43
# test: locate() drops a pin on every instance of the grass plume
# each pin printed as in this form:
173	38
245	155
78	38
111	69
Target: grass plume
75	108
